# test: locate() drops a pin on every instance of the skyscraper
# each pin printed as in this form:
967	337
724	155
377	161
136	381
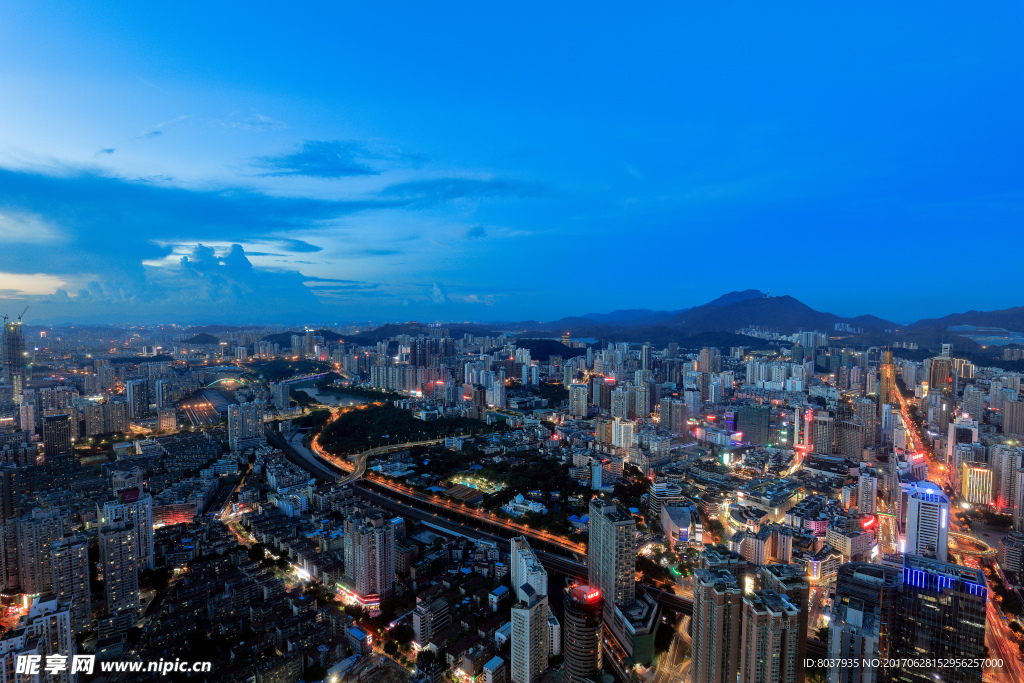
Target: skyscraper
887	387
578	400
57	437
12	355
770	639
872	592
69	561
530	641
370	555
583	634
135	508
526	570
120	568
942	616
927	521
35	533
245	423
717	614
790	580
137	391
611	553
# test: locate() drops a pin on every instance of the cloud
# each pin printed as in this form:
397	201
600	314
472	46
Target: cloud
380	252
436	190
295	246
255	121
105	151
476	232
159	128
320	159
438	295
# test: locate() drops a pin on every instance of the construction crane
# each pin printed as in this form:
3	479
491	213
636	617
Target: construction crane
21	314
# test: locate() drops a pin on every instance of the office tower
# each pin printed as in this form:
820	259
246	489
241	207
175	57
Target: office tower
578	400
281	396
645	357
530	639
1013	418
770	639
927	521
873	589
942	616
132	507
940	374
852	438
867	492
69	561
137	392
887	387
673	350
717	616
583	634
12	354
976	483
526	569
57	437
45	631
35	533
754	421
790	580
611	553
370	555
120	568
245	423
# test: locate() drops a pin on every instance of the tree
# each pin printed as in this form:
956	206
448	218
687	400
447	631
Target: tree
391	648
403	634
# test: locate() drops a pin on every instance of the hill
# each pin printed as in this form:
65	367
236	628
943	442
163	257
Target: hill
285	338
543	349
201	339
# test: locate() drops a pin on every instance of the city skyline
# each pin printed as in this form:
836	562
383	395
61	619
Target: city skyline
364	167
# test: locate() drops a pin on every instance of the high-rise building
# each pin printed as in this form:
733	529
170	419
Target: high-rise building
369	546
137	391
281	396
942	617
867	491
769	644
12	355
578	400
611	553
526	570
530	639
245	424
69	561
871	589
709	360
1013	417
429	619
45	631
754	421
583	634
790	580
927	521
35	533
824	432
135	508
120	568
887	387
976	482
717	616
57	437
974	403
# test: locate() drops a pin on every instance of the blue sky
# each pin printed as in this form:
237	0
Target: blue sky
466	161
